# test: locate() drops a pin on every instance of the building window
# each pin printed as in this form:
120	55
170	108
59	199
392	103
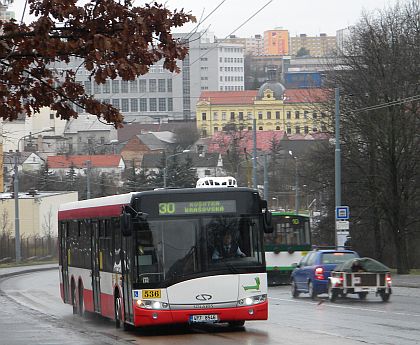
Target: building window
306	129
216	129
124	105
314	115
162	104
314	129
51	116
124	86
249	128
260	115
115	86
143	104
249	115
268	115
289	115
223	116
296	114
161	85
116	103
289	130
169	84
152	104
106	87
170	104
203	116
134	105
96	88
142	84
215	116
305	114
207	172
152	85
260	128
134	86
232	116
277	128
88	87
204	133
241	115
297	130
277	115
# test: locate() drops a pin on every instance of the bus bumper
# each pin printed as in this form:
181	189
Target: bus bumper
146	317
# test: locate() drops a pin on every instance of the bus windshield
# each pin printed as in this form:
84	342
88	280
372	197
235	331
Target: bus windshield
178	248
289	230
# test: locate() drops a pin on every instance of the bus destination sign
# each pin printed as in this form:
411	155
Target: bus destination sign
197	207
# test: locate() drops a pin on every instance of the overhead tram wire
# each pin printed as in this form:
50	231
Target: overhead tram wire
241	25
388	104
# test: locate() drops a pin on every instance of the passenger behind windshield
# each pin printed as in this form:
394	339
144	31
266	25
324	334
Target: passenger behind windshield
227	249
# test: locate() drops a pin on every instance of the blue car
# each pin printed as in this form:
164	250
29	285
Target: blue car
312	272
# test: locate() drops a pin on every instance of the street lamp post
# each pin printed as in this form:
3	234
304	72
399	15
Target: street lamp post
165	168
296	182
16	194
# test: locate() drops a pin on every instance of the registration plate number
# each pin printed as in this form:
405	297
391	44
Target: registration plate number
204	318
150	294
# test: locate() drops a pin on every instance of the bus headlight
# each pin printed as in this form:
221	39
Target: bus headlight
252	300
149	304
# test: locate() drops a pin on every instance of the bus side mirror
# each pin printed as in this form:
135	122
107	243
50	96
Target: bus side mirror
268	223
126	224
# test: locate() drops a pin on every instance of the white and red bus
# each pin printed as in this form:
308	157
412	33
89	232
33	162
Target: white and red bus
147	258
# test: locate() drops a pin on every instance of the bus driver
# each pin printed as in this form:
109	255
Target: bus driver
228	249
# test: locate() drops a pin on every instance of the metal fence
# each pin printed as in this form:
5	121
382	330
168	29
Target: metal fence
31	248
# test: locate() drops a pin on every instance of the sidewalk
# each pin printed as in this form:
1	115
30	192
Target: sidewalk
12	271
406	280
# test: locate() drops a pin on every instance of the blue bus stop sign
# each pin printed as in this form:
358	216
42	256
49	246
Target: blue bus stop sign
342	212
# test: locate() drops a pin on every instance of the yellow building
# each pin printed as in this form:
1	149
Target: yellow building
294	111
276	42
318	46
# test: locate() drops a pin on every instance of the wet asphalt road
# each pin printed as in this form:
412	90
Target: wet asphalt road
32	313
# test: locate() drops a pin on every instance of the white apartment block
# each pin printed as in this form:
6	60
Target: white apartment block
160	95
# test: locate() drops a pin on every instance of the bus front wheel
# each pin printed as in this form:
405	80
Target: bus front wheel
118	314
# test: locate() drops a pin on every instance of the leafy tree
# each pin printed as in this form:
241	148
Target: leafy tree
186	136
380	127
302	52
110	39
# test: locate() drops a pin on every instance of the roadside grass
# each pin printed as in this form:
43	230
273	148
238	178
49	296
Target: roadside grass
413	271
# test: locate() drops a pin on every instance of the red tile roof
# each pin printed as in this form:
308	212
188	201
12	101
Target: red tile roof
229	97
248	97
97	161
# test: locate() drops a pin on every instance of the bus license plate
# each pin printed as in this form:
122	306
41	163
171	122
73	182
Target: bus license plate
150	294
204	318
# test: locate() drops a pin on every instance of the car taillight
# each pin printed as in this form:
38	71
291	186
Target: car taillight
388	279
319	273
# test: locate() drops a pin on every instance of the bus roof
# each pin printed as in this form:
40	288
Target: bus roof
288	213
111	206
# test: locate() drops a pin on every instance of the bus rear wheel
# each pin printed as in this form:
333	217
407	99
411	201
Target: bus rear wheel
81	307
73	298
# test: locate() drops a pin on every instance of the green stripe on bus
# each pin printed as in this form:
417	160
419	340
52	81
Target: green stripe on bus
279	268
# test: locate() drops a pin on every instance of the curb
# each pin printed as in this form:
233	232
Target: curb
27	270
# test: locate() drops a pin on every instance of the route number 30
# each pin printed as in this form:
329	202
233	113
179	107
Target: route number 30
166	208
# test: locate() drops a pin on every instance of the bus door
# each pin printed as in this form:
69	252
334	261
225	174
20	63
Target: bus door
64	260
127	269
96	278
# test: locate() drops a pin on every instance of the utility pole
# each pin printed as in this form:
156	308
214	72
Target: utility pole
254	153
16	195
88	165
265	177
337	167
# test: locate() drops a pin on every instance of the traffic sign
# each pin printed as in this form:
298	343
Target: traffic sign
342	225
342	212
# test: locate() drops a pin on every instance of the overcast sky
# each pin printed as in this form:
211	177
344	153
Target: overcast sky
298	16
